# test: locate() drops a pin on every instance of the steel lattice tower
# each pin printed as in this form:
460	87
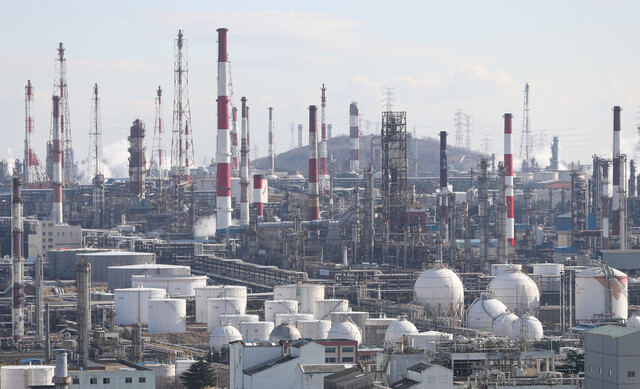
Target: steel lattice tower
32	174
158	154
394	170
182	154
95	136
526	141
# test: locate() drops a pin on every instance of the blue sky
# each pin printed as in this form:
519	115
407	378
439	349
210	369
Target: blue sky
578	56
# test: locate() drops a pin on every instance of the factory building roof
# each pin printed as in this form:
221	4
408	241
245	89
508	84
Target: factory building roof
404	384
268	364
622	259
613	331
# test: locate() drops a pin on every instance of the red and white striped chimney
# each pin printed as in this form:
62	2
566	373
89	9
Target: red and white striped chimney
354	138
223	153
257	195
508	164
324	156
30	161
272	157
314	201
444	189
17	311
56	180
605	204
234	140
244	167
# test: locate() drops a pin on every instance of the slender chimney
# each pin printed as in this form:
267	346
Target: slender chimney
444	189
223	153
83	273
354	138
615	204
483	214
56	180
508	164
137	160
272	157
314	202
234	140
324	156
605	203
244	167
18	260
30	161
257	195
299	135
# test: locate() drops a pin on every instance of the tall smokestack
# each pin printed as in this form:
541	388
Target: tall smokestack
137	160
244	167
354	138
83	274
502	249
324	156
483	214
234	140
272	157
18	261
30	161
508	164
56	179
257	195
605	203
223	153
615	205
299	135
314	201
444	189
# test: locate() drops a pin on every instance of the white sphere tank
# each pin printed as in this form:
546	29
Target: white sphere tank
167	316
499	268
254	331
359	318
325	307
516	290
592	291
397	330
293	318
183	365
314	329
271	307
547	269
440	291
235	320
483	311
222	336
305	294
131	304
285	331
502	324
527	327
25	376
345	330
223	306
216	291
633	322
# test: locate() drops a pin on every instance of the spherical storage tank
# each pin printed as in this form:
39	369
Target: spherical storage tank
216	291
167	316
131	304
305	294
440	291
398	329
527	327
25	376
222	336
285	331
345	330
325	307
633	322
314	329
601	291
499	268
516	290
502	324
223	306
483	311
271	307
259	330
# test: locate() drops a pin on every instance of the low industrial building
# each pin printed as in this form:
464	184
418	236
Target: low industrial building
612	357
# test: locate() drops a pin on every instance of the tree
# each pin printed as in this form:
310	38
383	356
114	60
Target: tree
200	374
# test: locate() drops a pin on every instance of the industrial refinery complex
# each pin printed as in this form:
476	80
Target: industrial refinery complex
375	259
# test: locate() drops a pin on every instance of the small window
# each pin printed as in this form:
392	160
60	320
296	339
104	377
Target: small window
591	368
347	359
128	380
105	380
609	372
329	350
142	379
330	360
93	381
347	349
631	373
75	381
600	371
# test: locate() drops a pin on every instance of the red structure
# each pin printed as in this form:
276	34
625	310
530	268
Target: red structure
258	179
223	152
508	164
56	177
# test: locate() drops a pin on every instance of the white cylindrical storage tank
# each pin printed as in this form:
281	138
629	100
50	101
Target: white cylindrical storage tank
259	330
183	365
292	318
24	376
633	322
167	316
305	294
175	285
314	329
271	307
163	372
285	292
397	330
429	340
223	306
595	288
216	291
235	320
131	304
119	277
326	306
223	335
483	311
440	291
502	324
547	269
516	290
499	268
527	327
347	330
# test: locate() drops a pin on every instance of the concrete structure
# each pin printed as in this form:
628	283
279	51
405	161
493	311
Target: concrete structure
119	277
175	286
612	357
223	151
259	182
425	375
49	236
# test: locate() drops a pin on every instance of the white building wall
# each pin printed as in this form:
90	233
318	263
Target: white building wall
117	379
50	236
435	377
241	358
